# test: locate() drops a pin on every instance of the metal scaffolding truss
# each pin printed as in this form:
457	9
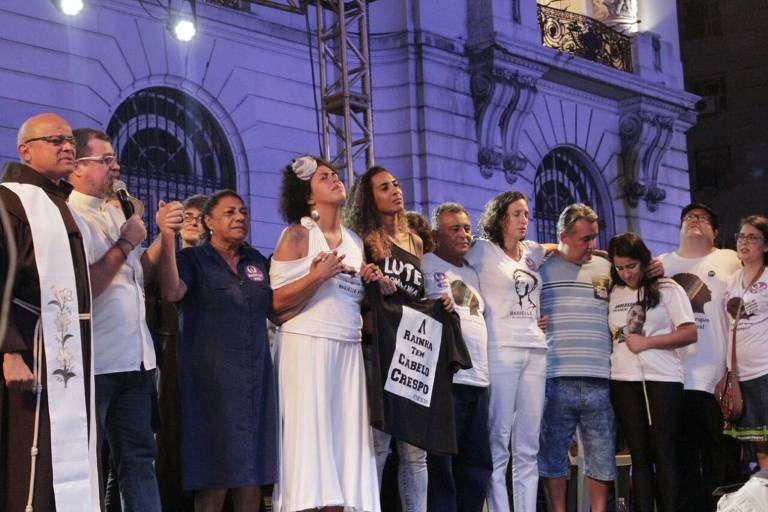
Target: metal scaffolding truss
345	79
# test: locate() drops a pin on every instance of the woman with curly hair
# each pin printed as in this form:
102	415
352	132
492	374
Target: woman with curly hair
649	319
508	267
378	216
326	447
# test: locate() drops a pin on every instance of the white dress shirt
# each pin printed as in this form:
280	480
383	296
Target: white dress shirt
121	339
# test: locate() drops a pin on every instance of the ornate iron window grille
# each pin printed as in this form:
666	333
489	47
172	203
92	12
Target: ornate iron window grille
586	37
561	180
169	147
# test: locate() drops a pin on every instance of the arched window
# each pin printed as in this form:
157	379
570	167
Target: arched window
563	178
170	147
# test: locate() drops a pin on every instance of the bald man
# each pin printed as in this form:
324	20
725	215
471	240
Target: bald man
52	270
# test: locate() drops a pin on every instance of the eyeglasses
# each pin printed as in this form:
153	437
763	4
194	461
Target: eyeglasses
748	239
107	160
192	219
705	219
56	140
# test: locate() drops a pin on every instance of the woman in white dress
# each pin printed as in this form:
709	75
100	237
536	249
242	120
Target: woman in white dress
326	448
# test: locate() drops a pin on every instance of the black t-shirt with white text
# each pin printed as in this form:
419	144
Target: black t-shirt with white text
412	349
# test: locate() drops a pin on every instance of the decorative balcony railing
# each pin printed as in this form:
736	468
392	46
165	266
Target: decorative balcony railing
232	4
586	37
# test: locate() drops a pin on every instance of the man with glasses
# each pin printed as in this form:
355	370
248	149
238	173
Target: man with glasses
124	355
708	458
54	369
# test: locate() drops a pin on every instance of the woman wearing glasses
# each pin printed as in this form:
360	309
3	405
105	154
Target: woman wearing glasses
747	305
649	318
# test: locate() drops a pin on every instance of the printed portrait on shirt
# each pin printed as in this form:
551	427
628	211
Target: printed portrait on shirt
748	308
463	297
697	290
525	284
634	323
600	285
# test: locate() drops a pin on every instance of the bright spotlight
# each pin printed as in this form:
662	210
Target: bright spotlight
69	7
184	29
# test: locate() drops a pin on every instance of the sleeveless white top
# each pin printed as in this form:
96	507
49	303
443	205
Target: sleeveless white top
333	311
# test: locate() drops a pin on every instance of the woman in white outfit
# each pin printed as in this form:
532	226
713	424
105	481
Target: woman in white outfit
326	448
517	349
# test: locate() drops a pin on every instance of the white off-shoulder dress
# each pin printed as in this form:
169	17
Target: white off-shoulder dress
326	446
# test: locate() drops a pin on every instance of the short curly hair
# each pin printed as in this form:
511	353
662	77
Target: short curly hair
294	193
491	222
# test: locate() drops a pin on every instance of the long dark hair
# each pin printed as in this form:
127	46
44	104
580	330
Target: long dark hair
364	218
491	222
630	245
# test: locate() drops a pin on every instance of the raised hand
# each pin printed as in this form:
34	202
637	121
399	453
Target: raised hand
169	217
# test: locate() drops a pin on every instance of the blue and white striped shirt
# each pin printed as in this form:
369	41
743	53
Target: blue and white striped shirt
576	299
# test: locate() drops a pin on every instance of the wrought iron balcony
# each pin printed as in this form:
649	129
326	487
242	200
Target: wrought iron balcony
586	37
232	4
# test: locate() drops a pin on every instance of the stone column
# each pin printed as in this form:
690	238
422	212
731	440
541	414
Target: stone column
621	15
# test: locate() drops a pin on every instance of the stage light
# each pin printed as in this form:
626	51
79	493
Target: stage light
183	28
182	21
69	7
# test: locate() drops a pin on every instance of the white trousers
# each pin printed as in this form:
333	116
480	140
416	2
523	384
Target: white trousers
518	380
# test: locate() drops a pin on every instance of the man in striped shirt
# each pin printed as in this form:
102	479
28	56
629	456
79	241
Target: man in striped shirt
575	296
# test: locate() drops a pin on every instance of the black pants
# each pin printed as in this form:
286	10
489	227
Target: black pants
708	459
458	483
653	448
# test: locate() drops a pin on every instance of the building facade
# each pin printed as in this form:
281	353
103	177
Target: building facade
470	98
726	63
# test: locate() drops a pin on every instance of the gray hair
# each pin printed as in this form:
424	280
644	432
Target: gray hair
572	214
446	207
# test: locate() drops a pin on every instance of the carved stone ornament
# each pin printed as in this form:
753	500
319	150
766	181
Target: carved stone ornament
645	139
503	99
620	15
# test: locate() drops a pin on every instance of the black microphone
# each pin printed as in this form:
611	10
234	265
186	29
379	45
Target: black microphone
119	188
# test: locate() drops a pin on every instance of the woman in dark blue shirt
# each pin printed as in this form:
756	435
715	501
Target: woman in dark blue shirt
226	379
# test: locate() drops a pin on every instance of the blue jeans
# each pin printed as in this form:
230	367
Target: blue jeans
582	402
411	471
457	483
124	405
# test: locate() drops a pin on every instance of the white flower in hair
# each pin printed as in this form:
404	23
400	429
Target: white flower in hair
304	167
